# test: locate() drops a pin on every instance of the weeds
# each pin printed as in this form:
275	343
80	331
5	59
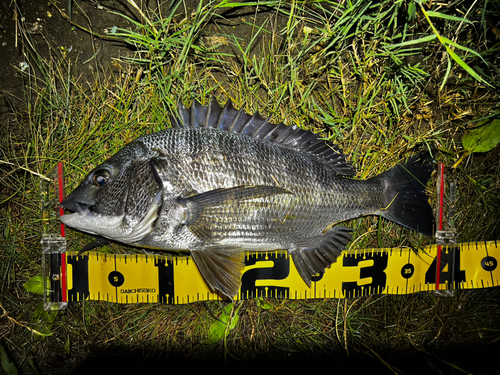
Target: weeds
369	76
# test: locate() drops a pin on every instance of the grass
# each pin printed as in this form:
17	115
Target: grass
351	70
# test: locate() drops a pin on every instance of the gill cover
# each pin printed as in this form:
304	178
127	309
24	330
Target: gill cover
119	200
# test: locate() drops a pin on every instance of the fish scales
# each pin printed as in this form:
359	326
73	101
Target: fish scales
222	182
207	160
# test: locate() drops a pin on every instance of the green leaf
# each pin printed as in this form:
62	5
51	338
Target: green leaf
43	320
447	74
221	327
412	9
263	304
452	43
7	365
446	17
424	39
483	138
34	285
464	65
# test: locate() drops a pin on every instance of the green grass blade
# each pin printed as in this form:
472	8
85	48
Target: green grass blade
465	66
447	74
452	43
424	39
447	17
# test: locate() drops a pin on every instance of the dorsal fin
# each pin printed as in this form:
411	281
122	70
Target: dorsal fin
237	121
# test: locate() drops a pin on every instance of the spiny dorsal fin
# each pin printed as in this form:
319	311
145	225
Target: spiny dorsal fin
237	121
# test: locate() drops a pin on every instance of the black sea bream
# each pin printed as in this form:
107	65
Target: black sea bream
221	182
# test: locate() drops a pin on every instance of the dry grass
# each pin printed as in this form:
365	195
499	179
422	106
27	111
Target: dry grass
314	65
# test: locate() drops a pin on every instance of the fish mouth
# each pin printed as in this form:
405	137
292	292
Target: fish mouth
75	207
81	218
76	211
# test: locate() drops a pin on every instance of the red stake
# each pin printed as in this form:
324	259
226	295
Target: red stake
440	221
60	180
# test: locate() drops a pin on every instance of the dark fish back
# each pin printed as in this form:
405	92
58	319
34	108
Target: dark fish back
237	121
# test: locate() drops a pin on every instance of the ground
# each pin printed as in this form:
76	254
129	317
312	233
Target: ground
412	334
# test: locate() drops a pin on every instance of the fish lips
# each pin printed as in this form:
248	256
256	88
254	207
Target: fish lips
81	199
74	206
77	210
78	203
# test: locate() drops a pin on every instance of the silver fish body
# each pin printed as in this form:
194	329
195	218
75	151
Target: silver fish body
221	182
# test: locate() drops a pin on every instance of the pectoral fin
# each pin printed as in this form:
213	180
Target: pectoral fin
235	194
310	261
221	267
211	214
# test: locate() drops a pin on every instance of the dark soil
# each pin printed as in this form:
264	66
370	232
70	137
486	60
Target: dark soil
53	34
54	30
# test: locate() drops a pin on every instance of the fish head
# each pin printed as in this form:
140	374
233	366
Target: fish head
120	199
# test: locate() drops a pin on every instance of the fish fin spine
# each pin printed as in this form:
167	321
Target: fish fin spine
239	122
322	253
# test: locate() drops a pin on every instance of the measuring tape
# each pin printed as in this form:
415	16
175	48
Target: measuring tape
153	278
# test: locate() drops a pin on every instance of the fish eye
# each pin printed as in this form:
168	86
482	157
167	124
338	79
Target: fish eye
100	178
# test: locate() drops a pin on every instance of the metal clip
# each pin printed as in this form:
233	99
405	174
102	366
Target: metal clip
446	233
446	237
54	271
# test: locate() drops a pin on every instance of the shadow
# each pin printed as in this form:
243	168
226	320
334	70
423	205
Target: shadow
481	359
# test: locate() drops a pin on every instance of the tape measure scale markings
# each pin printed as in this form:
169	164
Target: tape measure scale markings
140	278
152	278
485	275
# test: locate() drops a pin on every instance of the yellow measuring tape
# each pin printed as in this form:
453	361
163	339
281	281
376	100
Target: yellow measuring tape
167	279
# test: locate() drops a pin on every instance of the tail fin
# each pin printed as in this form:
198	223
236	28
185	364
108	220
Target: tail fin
406	201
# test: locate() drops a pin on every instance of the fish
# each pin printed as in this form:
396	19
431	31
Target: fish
221	182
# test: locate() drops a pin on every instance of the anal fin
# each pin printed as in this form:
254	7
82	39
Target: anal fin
310	261
221	267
